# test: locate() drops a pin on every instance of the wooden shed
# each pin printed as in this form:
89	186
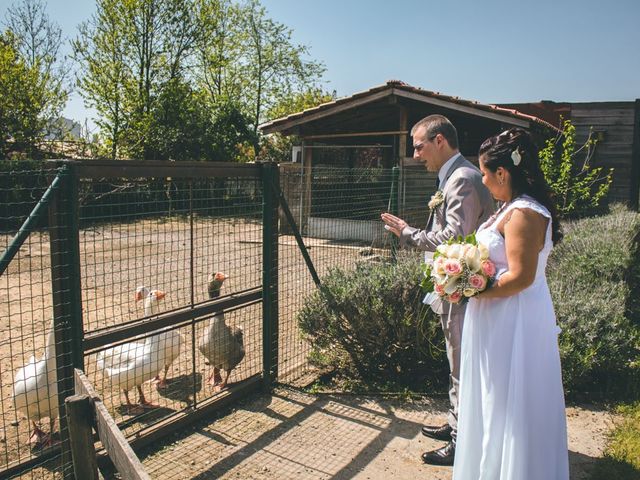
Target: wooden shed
371	129
616	125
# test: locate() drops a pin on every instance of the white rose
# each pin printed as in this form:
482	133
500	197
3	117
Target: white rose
473	258
442	249
469	292
454	251
484	251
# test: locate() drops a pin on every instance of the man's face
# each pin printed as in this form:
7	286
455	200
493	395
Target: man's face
425	150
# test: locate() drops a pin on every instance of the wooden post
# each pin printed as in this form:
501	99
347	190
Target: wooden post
402	153
114	442
402	138
79	421
307	166
634	193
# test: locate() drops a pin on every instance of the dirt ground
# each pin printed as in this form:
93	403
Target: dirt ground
115	259
295	435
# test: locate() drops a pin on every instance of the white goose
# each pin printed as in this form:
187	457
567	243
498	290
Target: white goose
134	363
222	345
35	391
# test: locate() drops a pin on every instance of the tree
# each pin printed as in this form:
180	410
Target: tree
100	50
276	147
14	76
218	58
36	42
130	52
275	67
161	35
169	77
579	187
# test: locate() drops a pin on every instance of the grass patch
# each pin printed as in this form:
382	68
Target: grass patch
621	459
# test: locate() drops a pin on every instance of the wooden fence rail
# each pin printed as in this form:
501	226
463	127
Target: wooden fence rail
85	410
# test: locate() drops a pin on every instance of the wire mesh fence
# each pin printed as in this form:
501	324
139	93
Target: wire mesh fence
156	246
30	351
152	246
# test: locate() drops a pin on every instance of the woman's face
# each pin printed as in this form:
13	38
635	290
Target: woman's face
497	182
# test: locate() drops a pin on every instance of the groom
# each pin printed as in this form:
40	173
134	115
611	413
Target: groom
461	204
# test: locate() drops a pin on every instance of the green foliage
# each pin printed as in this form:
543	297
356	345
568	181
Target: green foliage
186	79
371	322
31	79
276	147
594	274
579	188
622	455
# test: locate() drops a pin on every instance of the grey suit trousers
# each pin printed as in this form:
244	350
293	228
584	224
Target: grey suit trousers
452	328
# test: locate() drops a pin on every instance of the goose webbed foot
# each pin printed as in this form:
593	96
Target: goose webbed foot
223	384
215	379
39	438
144	403
161	382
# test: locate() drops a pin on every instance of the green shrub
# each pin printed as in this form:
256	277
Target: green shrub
580	189
370	322
621	458
594	277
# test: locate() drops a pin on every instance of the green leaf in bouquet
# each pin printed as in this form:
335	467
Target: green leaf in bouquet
427	284
471	238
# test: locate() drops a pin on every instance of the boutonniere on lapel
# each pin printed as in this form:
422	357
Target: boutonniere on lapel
436	200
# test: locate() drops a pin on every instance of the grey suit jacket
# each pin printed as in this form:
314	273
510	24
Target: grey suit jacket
467	204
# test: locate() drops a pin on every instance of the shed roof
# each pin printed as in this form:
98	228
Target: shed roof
292	124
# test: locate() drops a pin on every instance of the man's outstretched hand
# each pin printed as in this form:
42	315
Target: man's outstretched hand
392	223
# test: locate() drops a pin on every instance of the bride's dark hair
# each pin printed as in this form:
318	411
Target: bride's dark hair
526	176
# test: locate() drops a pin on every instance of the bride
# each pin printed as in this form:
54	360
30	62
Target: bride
512	416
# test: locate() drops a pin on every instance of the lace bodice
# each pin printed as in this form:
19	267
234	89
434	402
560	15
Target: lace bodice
489	235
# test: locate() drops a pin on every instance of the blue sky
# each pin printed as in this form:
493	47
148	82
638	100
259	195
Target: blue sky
487	50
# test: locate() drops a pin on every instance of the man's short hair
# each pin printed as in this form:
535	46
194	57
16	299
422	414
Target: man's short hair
438	124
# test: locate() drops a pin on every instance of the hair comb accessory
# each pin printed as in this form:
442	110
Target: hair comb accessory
516	157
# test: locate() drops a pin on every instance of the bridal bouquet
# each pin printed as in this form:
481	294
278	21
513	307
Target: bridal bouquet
459	270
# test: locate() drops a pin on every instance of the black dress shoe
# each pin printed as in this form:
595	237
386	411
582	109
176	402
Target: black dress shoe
441	456
439	433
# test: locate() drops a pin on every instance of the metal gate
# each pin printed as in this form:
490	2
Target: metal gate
113	228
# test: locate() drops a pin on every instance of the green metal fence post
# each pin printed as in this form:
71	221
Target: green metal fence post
66	293
270	177
393	206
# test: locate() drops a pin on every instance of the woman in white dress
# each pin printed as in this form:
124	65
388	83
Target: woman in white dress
512	422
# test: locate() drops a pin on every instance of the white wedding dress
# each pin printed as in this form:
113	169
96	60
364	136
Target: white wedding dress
511	423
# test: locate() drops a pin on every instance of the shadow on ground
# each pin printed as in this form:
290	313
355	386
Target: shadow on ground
295	435
291	434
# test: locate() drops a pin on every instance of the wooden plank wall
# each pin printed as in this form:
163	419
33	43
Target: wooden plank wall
618	121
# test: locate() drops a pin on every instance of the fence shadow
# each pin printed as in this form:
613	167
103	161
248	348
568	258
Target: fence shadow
290	432
181	388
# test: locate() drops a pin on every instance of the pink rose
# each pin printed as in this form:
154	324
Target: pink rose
439	289
488	268
455	297
452	266
477	281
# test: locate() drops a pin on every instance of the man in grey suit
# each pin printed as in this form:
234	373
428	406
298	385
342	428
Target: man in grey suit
463	203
